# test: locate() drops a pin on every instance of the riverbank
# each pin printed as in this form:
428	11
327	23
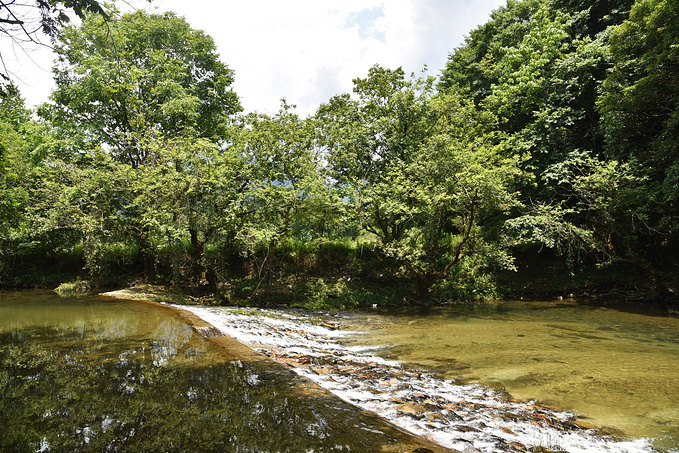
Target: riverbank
537	279
459	417
341	275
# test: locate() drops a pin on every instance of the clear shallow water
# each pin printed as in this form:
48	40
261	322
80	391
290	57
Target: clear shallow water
91	374
616	369
467	417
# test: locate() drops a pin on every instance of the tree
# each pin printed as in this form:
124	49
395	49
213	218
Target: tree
142	111
23	22
287	191
453	192
190	206
545	96
22	140
591	17
143	75
87	201
587	216
640	107
474	66
539	64
369	136
422	173
12	116
544	86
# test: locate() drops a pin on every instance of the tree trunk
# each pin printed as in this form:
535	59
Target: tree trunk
424	281
197	247
145	254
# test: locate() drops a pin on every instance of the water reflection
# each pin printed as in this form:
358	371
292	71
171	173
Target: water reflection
81	375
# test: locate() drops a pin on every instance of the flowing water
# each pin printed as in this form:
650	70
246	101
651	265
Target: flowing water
614	368
349	354
92	374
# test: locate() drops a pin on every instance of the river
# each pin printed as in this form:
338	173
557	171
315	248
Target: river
451	373
614	367
95	374
91	374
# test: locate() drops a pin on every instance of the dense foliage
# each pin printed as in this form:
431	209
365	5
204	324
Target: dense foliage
554	126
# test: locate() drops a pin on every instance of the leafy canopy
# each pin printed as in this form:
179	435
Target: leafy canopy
142	76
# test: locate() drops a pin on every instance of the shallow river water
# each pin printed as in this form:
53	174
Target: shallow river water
469	378
614	368
92	375
96	374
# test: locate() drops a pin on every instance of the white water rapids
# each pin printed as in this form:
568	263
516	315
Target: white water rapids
467	418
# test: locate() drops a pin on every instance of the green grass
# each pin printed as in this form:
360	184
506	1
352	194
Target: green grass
73	288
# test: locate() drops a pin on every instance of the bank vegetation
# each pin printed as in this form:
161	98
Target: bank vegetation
543	161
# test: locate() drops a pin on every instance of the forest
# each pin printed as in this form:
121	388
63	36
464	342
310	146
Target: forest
543	161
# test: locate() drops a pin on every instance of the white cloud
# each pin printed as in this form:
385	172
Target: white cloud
310	50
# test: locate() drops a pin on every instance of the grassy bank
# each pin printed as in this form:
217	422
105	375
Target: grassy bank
345	274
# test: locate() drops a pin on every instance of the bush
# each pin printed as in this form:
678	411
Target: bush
73	288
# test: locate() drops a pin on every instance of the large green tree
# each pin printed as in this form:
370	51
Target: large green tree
13	117
640	105
544	91
141	76
23	144
474	66
543	63
87	202
422	174
142	111
287	193
190	206
591	17
539	64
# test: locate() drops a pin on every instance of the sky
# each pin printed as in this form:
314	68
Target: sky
305	51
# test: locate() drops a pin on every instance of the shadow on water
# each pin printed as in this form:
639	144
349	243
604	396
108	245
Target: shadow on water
90	376
500	308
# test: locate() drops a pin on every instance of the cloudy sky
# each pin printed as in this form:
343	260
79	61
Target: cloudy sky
303	50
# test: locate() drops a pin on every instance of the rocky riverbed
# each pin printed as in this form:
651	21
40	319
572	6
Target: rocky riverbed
465	418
